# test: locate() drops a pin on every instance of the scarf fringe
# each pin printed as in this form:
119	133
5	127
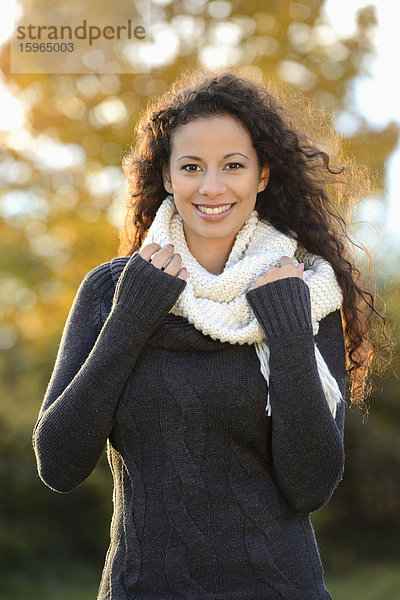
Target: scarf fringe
328	382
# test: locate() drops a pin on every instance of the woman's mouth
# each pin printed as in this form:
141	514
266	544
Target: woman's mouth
213	213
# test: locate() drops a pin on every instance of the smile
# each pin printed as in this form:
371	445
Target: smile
214	211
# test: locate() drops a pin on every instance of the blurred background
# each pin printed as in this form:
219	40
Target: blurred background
62	192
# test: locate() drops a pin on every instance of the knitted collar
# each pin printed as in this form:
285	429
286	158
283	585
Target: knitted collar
216	304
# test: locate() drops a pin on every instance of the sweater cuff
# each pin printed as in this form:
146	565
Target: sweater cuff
143	289
282	306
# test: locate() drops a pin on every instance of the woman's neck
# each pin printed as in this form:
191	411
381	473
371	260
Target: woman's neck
210	254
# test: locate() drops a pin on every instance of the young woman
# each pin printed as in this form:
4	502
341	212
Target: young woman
210	355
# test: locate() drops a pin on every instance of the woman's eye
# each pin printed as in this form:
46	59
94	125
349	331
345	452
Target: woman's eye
234	166
190	168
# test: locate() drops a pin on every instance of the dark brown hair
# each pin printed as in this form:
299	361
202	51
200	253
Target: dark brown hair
303	198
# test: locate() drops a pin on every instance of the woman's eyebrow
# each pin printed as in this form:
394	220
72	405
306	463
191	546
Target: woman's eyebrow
189	156
226	156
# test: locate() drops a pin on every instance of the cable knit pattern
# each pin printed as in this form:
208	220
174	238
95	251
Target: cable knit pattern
217	304
211	498
183	427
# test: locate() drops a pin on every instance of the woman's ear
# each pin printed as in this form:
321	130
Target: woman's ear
264	178
166	178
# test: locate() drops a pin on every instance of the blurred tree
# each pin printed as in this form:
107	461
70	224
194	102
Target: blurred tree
60	206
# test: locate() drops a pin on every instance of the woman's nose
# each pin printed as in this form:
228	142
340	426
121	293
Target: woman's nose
212	183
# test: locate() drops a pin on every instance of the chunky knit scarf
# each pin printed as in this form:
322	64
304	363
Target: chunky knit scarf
216	304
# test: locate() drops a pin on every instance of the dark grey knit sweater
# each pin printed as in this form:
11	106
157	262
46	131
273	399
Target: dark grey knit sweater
211	496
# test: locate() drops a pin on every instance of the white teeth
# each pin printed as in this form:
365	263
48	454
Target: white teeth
214	211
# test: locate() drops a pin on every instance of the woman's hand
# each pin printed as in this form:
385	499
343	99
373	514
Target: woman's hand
287	269
161	256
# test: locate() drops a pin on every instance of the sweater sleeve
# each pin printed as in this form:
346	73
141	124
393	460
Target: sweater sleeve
92	366
307	442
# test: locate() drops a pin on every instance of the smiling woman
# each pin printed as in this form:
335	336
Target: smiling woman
210	355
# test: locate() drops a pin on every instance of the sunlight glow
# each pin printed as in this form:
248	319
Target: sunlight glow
10	13
159	53
11	110
51	155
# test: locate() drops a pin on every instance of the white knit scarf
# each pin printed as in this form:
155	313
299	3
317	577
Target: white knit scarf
217	305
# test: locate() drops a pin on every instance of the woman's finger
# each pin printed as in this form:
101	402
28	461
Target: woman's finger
174	265
148	250
285	260
182	273
162	256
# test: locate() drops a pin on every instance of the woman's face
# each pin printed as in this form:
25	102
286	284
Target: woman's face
213	164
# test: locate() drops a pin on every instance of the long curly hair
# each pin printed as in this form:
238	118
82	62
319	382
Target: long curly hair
305	196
